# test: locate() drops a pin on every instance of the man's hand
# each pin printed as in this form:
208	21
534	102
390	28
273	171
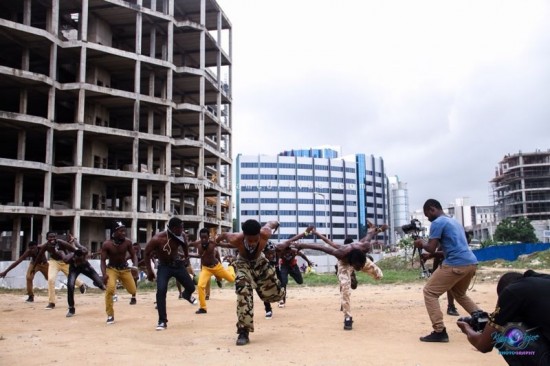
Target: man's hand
105	279
464	327
2	274
425	256
150	276
419	243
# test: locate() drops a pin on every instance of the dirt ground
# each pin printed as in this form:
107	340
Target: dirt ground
388	319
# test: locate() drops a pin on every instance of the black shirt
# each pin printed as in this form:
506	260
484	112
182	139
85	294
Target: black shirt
527	301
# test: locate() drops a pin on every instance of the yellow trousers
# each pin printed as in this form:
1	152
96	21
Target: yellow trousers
206	274
54	267
125	277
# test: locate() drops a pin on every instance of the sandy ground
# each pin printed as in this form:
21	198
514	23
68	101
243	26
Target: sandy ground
388	319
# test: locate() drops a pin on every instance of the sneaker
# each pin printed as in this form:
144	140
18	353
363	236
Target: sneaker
83	288
268	314
133	301
282	303
70	313
162	326
192	300
30	299
200	311
243	338
50	306
220	284
353	280
207	297
110	320
451	310
180	296
115	298
436	337
348	321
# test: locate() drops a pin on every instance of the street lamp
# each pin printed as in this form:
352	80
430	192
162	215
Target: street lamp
324	207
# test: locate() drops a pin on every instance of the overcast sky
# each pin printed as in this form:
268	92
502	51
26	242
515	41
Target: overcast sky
441	90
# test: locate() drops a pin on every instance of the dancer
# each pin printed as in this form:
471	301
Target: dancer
350	257
78	264
56	248
210	266
39	264
288	265
166	244
253	270
115	251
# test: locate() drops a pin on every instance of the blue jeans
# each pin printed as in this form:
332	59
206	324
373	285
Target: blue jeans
164	273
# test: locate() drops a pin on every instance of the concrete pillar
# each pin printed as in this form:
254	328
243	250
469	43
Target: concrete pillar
27	12
16	238
84	21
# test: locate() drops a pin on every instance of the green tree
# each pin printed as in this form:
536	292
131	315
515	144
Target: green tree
520	230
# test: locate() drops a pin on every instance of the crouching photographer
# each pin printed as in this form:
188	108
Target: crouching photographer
519	328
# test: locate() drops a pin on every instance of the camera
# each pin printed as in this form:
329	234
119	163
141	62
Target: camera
478	320
414	225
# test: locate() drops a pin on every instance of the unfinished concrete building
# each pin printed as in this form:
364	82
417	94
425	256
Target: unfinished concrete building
113	109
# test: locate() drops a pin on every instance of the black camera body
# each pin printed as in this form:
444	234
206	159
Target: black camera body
478	320
414	226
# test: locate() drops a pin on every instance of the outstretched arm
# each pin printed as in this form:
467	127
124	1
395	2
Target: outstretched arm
16	263
320	247
326	240
285	244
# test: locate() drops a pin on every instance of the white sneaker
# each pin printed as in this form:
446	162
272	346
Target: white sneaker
282	304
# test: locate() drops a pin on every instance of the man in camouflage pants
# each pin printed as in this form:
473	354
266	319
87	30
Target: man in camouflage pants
253	271
350	257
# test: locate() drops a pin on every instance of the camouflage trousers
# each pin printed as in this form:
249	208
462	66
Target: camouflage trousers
344	277
261	276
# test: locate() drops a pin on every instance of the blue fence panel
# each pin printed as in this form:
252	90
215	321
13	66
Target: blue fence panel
509	252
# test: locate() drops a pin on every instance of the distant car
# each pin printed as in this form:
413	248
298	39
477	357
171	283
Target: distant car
475	244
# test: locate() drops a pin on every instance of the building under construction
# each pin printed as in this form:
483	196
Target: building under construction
522	189
110	110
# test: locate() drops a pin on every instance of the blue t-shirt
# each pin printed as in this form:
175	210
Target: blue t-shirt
453	241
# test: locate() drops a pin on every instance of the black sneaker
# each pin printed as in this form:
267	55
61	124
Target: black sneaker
219	282
436	337
353	281
70	313
243	338
348	321
451	310
162	326
50	306
269	314
30	299
110	320
83	288
200	311
133	301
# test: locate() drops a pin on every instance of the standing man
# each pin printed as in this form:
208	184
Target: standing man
253	271
56	249
165	245
39	263
210	266
457	269
78	264
350	257
115	251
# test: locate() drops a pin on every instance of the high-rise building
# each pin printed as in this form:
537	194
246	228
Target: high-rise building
336	194
522	189
113	109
